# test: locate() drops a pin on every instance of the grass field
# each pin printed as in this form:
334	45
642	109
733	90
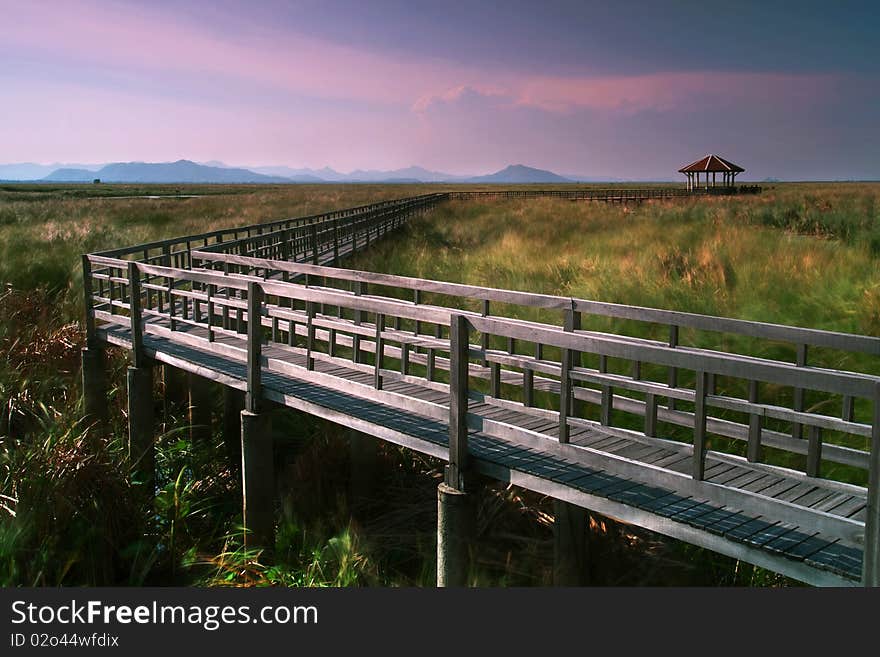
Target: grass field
803	254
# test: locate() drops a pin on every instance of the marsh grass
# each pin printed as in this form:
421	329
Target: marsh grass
68	516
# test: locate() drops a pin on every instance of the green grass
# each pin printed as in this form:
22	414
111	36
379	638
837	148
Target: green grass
798	254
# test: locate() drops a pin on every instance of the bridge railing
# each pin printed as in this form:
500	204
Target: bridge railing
316	238
559	373
319	241
676	329
174	252
563	373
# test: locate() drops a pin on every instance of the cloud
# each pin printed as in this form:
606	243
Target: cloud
463	95
661	92
154	42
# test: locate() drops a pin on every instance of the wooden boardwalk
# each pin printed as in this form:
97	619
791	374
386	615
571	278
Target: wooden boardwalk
658	433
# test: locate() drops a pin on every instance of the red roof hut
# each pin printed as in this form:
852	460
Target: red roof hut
714	165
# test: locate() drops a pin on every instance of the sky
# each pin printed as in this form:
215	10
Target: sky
624	89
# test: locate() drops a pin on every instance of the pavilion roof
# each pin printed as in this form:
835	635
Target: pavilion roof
711	163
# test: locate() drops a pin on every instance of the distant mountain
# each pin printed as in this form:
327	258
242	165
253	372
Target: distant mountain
305	175
518	173
410	174
182	171
215	171
578	177
71	175
418	174
32	171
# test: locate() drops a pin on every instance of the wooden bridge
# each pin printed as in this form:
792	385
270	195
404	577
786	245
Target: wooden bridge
739	451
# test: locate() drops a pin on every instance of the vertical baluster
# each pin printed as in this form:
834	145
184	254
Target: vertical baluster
753	451
495	380
310	335
417	300
484	339
359	289
170	291
430	368
849	407
673	371
111	288
379	359
699	464
814	451
212	290
651	414
797	429
529	380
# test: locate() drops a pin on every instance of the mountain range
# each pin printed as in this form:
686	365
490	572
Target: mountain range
186	171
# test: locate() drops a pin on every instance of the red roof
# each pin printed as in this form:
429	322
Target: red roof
711	163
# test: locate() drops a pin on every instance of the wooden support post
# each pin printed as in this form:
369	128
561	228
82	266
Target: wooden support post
459	345
335	242
94	384
569	359
364	460
141	421
871	563
254	347
257	481
455	510
141	412
233	405
699	464
200	402
456	526
570	546
175	390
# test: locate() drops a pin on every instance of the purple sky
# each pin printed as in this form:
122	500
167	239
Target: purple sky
625	89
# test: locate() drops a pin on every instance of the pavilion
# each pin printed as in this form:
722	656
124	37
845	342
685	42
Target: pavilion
714	165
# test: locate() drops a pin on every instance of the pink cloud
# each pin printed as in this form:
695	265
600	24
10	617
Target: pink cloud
631	94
